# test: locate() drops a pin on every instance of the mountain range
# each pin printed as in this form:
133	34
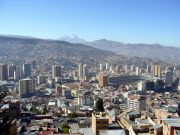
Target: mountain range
165	53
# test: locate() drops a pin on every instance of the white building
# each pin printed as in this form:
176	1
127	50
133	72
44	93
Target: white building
85	70
80	69
136	102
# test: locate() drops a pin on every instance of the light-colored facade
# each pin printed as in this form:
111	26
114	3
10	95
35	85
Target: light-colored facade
85	70
41	79
56	71
100	121
136	102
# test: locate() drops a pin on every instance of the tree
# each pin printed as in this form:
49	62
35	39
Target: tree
45	110
32	109
25	109
58	114
72	115
100	105
65	128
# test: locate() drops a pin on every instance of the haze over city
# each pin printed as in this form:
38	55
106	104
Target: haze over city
89	67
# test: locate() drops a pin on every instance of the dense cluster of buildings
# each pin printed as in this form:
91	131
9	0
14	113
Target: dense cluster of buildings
134	100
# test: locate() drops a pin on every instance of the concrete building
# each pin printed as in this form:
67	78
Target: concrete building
80	70
170	125
107	66
168	76
148	69
84	100
101	68
26	87
137	71
14	108
100	121
3	72
103	80
85	70
11	69
56	71
136	102
16	75
156	70
41	79
59	89
141	86
117	69
26	70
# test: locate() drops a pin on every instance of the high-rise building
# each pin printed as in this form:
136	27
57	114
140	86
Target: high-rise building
80	70
100	121
103	80
11	69
41	79
85	70
168	76
26	70
107	66
132	67
136	102
26	87
16	75
111	68
156	70
56	71
3	72
137	71
14	108
101	67
117	69
148	69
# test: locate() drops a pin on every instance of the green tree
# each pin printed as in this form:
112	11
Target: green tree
65	128
72	115
100	105
58	114
45	110
32	109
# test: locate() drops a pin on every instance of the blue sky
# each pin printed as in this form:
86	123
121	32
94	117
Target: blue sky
129	21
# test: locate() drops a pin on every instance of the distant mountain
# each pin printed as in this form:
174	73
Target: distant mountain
171	54
72	39
48	52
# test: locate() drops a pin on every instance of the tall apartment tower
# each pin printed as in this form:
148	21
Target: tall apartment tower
137	102
100	121
85	70
148	69
107	66
26	70
168	76
56	71
156	70
103	80
3	72
80	69
11	69
101	67
26	87
41	79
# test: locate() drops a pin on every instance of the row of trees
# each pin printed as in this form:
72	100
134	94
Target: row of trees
35	110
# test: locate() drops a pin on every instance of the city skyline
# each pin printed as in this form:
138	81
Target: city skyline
125	21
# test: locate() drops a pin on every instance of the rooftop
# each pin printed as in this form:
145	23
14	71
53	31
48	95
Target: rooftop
175	122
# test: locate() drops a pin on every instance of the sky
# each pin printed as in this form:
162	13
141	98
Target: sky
128	21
